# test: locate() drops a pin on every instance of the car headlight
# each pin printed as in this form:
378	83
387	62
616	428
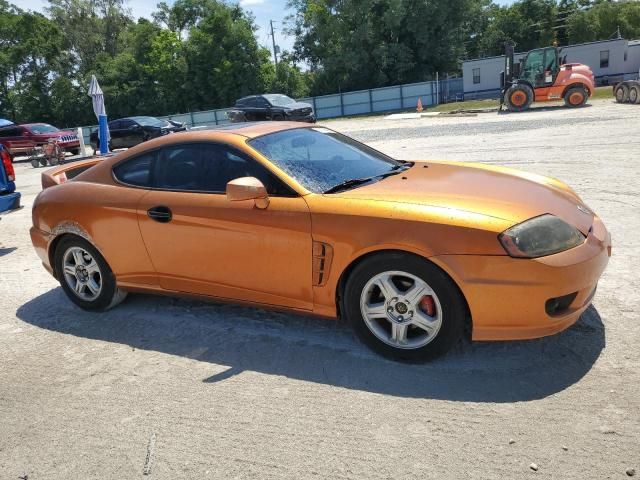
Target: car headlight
540	236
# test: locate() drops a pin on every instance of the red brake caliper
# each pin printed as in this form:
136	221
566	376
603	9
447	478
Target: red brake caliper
428	306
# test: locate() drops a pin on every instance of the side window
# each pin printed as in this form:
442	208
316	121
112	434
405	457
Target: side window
476	75
262	103
115	125
604	59
136	171
224	164
181	168
126	123
10	132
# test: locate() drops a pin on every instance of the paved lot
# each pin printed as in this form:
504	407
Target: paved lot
200	390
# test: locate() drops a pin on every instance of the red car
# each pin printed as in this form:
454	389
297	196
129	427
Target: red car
21	139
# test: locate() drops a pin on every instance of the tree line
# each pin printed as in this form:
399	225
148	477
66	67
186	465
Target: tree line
203	54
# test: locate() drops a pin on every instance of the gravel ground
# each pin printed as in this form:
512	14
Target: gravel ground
183	389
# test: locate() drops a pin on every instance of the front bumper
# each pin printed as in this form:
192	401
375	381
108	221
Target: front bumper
507	296
311	118
41	240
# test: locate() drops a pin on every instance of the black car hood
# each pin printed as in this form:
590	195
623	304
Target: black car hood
297	106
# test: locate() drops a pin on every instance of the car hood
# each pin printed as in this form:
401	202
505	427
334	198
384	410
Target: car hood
499	192
297	106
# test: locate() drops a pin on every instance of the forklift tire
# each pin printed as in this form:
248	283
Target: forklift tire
622	94
634	94
518	97
575	97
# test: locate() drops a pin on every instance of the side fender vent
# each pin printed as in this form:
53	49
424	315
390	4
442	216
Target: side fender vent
322	256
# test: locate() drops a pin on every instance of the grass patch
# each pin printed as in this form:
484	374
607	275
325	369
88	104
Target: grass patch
602	93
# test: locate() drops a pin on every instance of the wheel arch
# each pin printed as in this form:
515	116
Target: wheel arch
577	84
366	256
66	231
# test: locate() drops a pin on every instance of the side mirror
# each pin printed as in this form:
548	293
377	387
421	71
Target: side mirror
248	188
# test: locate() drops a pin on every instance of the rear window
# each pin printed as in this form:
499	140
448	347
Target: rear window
136	171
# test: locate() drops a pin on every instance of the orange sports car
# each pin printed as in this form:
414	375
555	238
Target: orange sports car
413	254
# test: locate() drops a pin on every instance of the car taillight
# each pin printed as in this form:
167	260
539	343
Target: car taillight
8	166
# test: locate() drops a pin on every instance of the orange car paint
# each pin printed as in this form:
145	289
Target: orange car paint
295	253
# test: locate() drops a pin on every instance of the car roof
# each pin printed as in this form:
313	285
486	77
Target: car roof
247	129
34	124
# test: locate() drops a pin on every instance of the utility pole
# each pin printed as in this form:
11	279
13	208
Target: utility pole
273	39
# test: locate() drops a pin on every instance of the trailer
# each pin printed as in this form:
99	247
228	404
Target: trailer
627	91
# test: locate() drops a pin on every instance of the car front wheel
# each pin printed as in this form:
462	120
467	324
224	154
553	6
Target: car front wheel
404	307
85	276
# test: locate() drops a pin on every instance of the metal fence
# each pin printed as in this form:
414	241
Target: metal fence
361	102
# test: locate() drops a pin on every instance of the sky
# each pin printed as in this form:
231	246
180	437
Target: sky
263	11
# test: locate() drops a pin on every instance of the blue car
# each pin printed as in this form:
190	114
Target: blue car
9	198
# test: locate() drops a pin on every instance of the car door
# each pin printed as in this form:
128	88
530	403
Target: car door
200	242
131	133
263	109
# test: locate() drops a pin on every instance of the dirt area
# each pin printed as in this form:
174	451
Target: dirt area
184	389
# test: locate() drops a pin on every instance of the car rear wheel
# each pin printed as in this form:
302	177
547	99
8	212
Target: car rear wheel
278	117
404	307
575	97
85	276
519	97
622	94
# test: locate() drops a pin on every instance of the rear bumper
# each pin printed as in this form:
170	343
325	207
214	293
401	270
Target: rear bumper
507	296
41	242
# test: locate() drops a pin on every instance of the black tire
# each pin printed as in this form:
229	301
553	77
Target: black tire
278	117
634	94
110	295
622	94
74	151
575	97
518	97
453	305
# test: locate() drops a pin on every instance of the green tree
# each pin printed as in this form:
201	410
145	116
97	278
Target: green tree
602	20
352	44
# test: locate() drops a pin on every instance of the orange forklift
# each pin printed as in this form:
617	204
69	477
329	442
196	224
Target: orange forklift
543	77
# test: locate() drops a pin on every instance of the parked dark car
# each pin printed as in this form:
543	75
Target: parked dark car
129	132
271	106
9	198
22	139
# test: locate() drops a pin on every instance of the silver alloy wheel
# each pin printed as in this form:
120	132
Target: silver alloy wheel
390	304
82	273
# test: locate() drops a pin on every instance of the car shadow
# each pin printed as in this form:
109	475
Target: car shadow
324	351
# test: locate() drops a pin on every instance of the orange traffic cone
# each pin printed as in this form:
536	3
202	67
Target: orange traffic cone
419	107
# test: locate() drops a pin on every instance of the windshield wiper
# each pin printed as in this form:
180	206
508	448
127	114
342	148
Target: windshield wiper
353	182
350	183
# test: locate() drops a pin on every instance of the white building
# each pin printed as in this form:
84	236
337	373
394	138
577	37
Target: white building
610	60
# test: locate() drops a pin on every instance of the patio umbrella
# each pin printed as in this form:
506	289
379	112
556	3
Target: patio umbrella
97	97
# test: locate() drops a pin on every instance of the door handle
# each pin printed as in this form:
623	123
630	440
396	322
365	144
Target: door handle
160	214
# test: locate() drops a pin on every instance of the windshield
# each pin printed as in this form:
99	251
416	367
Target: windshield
279	100
149	121
319	158
43	128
